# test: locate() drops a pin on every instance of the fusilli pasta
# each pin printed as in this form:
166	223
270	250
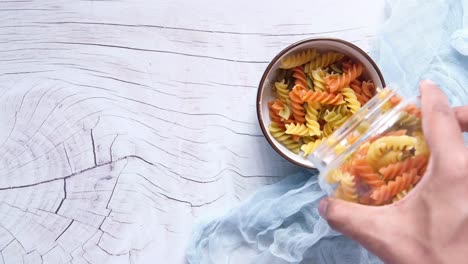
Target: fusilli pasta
298	59
323	61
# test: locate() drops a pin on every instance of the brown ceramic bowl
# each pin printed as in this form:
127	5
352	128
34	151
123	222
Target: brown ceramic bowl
265	93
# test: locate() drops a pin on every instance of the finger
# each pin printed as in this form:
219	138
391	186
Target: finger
440	126
359	222
461	113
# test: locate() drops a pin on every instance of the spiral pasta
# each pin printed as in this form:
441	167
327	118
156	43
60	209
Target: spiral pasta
385	166
399	196
408	120
282	91
274	116
304	107
388	158
351	99
297	108
323	61
421	147
309	147
298	59
285	139
382	145
347	188
336	83
299	76
363	170
298	129
311	118
323	97
390	171
385	193
336	119
317	78
328	129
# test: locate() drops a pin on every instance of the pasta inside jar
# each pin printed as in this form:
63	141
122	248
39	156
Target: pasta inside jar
378	156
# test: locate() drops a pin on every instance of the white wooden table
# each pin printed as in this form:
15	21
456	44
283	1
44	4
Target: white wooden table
124	121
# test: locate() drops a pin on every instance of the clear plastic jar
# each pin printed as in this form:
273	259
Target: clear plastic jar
378	155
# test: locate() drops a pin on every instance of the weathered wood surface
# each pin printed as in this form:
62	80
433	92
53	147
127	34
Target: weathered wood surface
123	121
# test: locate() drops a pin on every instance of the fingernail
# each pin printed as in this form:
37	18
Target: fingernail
323	207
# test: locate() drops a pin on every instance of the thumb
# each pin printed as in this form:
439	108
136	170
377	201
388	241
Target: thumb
359	222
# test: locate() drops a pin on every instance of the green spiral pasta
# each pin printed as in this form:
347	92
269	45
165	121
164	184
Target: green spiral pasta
317	78
284	138
334	118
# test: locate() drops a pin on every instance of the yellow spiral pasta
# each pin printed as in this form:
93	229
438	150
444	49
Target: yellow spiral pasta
347	189
284	138
334	176
385	144
351	100
388	158
400	195
311	118
311	146
334	118
317	78
298	129
421	148
298	59
282	91
323	61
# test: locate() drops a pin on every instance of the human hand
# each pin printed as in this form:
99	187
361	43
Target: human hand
430	225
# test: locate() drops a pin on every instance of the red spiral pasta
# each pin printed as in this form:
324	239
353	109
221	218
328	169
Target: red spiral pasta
336	83
385	194
299	76
274	108
364	171
323	97
417	162
297	108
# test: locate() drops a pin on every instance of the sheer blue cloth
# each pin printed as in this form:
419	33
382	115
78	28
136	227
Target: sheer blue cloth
280	223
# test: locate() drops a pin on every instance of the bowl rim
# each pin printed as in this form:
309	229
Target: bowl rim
268	69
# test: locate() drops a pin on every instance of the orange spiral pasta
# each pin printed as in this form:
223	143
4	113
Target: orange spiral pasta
323	97
299	76
274	108
386	193
336	83
413	110
366	173
297	108
417	162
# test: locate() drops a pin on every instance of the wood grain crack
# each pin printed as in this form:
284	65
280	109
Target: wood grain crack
64	195
94	148
65	230
155	51
202	30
